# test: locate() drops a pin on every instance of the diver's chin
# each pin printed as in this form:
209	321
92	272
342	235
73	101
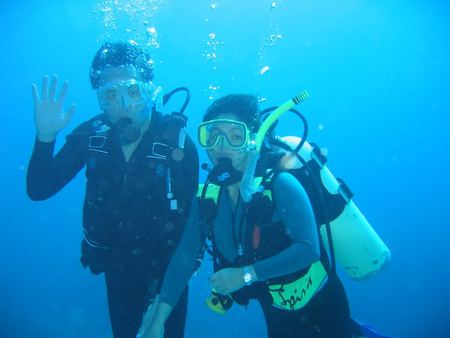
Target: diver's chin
224	173
238	162
127	131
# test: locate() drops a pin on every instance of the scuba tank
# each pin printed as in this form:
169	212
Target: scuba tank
356	245
348	236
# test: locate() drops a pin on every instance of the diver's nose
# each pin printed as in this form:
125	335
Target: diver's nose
123	101
221	142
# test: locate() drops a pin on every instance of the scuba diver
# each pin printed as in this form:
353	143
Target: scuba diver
141	172
261	231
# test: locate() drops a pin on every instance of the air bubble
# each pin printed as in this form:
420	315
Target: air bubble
264	70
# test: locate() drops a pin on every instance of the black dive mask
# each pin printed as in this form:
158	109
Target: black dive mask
127	131
223	173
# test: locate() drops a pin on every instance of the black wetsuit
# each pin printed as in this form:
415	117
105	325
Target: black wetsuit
134	212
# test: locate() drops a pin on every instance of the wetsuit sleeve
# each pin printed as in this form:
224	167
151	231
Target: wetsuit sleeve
184	261
47	174
294	208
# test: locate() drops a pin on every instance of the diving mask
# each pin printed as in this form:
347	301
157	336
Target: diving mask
125	93
234	134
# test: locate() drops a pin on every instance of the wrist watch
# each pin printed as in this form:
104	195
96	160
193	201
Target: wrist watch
248	275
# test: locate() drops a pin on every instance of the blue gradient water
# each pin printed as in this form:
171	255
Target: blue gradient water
379	79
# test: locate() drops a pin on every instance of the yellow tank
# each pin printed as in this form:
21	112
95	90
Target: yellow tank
358	248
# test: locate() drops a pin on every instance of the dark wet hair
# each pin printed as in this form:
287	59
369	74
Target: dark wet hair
243	106
121	53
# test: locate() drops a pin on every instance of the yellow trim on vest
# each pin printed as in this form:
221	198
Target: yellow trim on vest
212	192
297	294
268	193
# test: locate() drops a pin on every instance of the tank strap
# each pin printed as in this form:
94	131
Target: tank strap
320	160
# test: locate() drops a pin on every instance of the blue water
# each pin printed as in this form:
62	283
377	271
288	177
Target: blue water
379	78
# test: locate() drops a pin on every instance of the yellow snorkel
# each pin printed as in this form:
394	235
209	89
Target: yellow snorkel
247	184
291	103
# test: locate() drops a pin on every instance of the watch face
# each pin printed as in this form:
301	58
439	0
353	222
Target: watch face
247	277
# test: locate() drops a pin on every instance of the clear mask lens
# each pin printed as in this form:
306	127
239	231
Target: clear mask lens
124	93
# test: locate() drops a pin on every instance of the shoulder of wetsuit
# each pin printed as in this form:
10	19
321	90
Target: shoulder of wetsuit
191	149
283	180
89	128
168	126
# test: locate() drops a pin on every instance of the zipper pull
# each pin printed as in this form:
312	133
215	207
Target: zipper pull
240	250
173	202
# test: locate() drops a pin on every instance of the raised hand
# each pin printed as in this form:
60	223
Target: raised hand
49	115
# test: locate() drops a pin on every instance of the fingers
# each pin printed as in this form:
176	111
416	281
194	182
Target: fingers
214	279
53	84
218	277
63	93
50	94
222	289
219	285
44	93
69	113
34	91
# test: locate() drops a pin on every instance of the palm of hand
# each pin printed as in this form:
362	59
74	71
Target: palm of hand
49	115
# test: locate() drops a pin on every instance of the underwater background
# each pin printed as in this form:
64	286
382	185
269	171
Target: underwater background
378	74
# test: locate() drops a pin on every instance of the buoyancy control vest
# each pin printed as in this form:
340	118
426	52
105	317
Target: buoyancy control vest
261	237
131	209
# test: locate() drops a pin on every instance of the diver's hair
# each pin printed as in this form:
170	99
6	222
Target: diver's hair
121	53
243	106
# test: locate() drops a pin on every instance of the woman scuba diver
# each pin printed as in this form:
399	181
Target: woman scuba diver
265	248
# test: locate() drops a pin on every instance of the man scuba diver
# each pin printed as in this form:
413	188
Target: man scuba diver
141	171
